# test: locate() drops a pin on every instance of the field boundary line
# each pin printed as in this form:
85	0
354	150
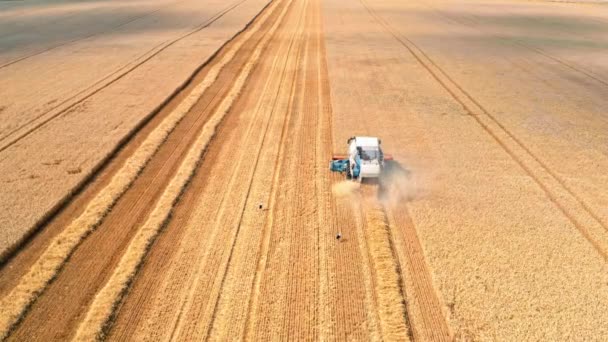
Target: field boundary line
106	300
599	240
139	61
59	250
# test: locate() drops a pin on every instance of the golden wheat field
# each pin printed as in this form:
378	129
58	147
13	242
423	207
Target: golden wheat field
164	170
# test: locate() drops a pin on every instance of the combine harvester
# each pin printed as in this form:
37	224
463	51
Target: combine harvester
365	159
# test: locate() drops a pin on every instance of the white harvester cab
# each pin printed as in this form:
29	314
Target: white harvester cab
364	158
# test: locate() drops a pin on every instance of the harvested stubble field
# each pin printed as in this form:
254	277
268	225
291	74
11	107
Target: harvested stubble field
164	170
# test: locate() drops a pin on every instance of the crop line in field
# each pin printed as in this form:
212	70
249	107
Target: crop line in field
201	259
33	283
374	327
554	198
368	324
298	179
250	183
148	55
267	229
212	310
323	183
178	323
252	304
313	98
398	268
221	200
110	295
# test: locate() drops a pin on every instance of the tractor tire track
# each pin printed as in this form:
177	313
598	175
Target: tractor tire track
72	41
521	144
65	106
567	201
473	20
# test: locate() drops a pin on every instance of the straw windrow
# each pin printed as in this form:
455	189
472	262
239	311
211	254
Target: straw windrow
391	308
